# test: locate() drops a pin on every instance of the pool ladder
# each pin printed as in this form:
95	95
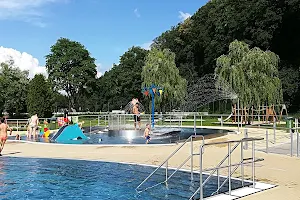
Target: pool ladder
190	157
241	163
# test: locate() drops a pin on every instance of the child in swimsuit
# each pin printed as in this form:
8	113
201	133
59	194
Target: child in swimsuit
147	133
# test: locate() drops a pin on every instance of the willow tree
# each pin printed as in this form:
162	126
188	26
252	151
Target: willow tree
160	69
252	74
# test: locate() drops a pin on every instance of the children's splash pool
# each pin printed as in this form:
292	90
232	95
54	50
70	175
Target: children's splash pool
31	178
98	135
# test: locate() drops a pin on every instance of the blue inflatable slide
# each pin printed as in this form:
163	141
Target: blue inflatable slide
69	134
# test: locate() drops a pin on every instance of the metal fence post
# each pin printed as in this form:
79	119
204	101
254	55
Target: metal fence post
166	171
98	120
181	122
291	132
246	136
267	141
90	126
229	169
201	120
242	163
253	163
200	171
195	123
221	121
192	159
17	125
274	130
297	143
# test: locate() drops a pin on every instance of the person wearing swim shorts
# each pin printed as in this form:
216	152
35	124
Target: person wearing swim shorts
147	133
136	116
3	133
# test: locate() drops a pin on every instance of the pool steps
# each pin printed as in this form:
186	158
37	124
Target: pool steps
225	188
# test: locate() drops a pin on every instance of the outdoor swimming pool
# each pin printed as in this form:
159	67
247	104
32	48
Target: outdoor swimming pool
97	135
31	178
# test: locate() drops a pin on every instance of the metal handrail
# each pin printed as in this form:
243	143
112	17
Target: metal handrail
169	157
236	167
248	139
229	165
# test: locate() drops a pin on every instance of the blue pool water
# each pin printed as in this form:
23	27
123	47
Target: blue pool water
30	178
158	136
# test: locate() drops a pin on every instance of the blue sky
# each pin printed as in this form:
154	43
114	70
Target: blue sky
107	28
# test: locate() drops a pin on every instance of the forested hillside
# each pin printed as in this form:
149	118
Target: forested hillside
197	43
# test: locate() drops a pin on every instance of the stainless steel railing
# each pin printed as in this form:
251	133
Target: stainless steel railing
166	163
229	166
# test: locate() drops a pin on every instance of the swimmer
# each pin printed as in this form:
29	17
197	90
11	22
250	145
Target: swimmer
3	134
147	133
18	137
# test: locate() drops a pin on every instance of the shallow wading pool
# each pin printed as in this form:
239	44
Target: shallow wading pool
98	135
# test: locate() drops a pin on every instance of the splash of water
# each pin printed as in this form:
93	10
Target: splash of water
129	107
206	90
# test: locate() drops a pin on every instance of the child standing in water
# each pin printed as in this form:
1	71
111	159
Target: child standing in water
147	133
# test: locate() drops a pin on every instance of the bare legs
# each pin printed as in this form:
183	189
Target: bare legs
2	142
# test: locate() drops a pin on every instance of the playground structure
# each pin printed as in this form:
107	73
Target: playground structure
264	114
153	91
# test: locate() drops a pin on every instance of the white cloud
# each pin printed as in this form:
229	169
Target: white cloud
146	45
136	12
29	11
183	16
99	73
23	60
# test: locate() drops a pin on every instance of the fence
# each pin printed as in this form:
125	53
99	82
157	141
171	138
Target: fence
277	139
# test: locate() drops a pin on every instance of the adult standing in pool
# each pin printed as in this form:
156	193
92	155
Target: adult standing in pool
34	122
3	134
136	116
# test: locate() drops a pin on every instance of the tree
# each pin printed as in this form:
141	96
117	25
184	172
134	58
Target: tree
267	24
13	86
40	97
160	69
290	83
71	68
120	84
252	74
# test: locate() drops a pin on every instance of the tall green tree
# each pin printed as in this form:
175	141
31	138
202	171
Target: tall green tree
123	82
71	68
13	87
60	101
252	74
160	69
267	24
40	97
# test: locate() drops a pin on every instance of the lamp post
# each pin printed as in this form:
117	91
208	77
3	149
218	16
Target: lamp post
153	90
